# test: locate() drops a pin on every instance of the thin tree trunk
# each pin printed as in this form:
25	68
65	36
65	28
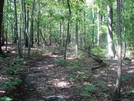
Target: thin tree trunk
60	43
16	31
1	18
30	39
32	21
76	36
6	35
38	24
84	28
98	28
68	24
116	95
92	27
26	12
111	48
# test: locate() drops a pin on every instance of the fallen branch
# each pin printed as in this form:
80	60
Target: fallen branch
94	57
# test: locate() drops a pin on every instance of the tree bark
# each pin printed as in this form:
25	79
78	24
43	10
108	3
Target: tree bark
116	94
32	21
93	26
111	48
16	31
68	25
76	36
1	18
38	25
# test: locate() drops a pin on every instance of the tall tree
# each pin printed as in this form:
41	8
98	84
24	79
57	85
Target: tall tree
30	41
1	18
16	31
93	18
38	23
68	27
111	48
76	35
31	22
116	95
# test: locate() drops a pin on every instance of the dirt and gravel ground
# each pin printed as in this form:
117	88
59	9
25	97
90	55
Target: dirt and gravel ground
47	78
44	80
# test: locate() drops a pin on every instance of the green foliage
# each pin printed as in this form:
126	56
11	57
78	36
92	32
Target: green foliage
72	78
72	67
98	51
85	94
78	87
36	53
130	91
5	98
100	83
126	77
90	88
14	70
106	89
131	52
103	29
11	83
61	62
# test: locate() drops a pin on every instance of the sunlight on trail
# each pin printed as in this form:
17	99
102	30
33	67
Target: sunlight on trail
59	83
2	92
131	70
104	73
3	78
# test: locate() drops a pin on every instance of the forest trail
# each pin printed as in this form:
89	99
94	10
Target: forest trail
44	80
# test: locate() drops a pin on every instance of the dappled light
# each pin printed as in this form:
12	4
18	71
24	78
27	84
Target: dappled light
66	50
3	78
59	83
2	92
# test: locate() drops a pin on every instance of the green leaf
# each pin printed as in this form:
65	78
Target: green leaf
5	98
90	88
85	94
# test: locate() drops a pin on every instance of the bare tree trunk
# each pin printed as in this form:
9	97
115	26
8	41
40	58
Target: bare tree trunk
16	31
26	11
98	27
116	95
1	18
93	26
111	48
84	28
38	24
68	24
76	36
30	39
32	21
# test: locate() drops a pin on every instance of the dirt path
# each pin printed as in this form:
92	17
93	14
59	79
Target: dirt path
46	81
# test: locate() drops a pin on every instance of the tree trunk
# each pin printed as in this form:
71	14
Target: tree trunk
84	36
31	27
111	48
76	37
98	27
68	24
16	31
26	12
93	27
38	24
1	18
116	94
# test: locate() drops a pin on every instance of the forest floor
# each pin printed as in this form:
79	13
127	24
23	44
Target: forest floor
49	78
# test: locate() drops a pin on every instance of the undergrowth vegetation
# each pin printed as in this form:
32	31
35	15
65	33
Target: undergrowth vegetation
10	76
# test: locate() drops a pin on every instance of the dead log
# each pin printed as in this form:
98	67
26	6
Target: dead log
94	57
